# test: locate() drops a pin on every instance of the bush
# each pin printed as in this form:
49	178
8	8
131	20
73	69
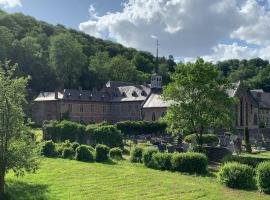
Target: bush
48	149
102	152
116	152
75	145
147	156
251	161
107	134
190	162
162	161
84	154
68	153
136	155
209	139
236	175
263	177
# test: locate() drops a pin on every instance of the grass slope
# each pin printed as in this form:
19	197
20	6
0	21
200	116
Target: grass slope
67	179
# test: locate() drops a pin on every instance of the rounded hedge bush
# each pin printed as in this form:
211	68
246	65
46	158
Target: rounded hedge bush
147	156
190	162
68	153
49	149
209	139
236	175
75	145
263	177
84	154
136	155
162	161
102	152
116	152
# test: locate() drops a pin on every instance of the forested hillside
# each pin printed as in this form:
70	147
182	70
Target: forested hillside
57	57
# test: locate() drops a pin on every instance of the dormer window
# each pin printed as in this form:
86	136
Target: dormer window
68	95
143	93
80	95
90	96
124	94
102	97
134	94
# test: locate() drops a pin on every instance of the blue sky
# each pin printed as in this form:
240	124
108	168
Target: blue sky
67	12
186	29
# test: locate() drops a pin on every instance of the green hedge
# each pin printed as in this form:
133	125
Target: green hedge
147	156
102	152
162	161
116	152
236	175
209	139
190	162
263	177
49	149
84	154
136	155
251	161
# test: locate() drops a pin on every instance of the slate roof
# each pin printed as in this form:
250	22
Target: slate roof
48	96
232	92
263	98
155	101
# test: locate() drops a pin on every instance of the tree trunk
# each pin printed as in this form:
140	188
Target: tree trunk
2	181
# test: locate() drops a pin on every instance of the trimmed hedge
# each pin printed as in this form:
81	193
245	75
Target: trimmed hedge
147	156
136	155
236	175
263	177
68	152
190	162
102	152
251	161
116	152
84	154
49	149
209	139
162	161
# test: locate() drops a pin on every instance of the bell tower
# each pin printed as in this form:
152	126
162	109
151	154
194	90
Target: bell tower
156	80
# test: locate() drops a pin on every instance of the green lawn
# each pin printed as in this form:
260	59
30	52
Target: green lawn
67	179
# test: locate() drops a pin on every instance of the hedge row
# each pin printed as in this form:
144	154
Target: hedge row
209	139
243	176
92	134
84	153
193	163
251	161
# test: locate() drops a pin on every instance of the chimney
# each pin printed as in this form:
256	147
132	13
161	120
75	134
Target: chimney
56	94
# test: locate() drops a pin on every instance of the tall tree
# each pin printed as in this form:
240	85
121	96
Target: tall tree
67	59
199	99
18	151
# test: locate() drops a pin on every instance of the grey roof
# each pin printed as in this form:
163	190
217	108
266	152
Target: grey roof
263	98
232	92
155	101
48	96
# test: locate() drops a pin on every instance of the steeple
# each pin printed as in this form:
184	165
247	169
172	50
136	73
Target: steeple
156	80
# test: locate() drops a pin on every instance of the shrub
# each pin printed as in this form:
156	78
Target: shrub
116	152
75	145
84	154
263	177
251	161
147	156
102	152
209	139
107	134
162	161
189	162
236	175
49	149
68	153
136	155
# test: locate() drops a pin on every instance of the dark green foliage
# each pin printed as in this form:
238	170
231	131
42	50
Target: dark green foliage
49	149
246	139
116	152
209	139
68	153
107	134
136	155
263	177
189	163
147	157
102	152
162	161
84	154
251	161
236	175
75	145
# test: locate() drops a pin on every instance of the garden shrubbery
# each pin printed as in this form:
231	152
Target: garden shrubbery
68	152
136	155
49	149
263	177
147	156
84	154
236	175
209	139
251	161
102	152
190	163
162	161
116	153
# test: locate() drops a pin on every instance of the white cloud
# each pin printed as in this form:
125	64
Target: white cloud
187	28
10	3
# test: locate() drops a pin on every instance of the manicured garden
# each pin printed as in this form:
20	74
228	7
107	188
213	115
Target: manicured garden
70	179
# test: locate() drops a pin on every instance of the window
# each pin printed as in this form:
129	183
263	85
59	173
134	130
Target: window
92	108
70	108
81	108
153	117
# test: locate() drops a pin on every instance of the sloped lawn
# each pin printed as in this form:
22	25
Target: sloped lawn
68	179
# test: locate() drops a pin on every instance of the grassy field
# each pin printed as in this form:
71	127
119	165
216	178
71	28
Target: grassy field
67	179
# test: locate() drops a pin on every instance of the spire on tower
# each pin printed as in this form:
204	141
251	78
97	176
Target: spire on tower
157	62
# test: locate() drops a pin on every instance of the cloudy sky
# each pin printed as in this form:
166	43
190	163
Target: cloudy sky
212	29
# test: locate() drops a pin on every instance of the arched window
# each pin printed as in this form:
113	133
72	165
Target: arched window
153	116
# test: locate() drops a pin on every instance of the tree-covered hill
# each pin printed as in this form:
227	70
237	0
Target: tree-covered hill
57	57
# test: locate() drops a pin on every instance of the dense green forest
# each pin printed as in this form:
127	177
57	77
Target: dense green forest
56	57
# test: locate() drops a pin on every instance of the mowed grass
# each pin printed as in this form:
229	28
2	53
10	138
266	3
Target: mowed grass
68	179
